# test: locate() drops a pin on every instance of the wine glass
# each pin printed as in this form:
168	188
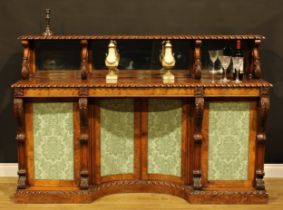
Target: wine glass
220	53
238	66
241	65
213	55
225	62
235	61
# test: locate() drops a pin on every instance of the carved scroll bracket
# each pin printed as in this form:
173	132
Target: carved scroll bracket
256	66
197	137
84	59
20	138
197	59
84	143
263	109
26	59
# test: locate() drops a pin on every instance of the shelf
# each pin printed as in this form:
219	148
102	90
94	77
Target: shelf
154	36
128	79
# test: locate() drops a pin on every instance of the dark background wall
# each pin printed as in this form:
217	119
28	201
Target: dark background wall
141	17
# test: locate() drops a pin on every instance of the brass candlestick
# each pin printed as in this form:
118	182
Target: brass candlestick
112	61
167	61
47	31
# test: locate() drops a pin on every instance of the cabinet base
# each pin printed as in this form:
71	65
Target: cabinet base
135	186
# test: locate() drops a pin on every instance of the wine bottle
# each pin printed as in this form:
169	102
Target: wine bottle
227	51
239	53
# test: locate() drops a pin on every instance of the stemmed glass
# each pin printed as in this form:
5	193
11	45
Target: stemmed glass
225	62
237	65
213	55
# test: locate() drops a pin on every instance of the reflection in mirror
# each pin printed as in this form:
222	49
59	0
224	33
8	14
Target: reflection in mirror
57	55
141	54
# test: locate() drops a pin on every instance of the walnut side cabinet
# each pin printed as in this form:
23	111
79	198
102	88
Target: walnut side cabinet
79	138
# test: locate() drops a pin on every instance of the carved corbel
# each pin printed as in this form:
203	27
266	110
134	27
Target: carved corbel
197	137
256	66
83	92
84	137
18	92
20	138
84	59
263	109
26	60
197	59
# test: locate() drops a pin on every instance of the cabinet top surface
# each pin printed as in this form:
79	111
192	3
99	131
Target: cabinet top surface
144	36
130	79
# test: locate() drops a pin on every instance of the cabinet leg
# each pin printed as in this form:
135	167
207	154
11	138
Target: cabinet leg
20	138
197	138
263	109
84	142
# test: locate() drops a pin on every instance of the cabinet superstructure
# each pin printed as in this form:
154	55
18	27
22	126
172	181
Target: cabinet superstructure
80	138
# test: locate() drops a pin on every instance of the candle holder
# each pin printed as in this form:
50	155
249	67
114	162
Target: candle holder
47	31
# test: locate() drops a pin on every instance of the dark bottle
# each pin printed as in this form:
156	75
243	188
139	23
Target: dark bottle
239	53
227	51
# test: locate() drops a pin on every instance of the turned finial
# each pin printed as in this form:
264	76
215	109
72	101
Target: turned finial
168	61
112	57
167	56
112	61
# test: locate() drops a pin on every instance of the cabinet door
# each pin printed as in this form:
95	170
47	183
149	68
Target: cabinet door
166	139
115	139
51	143
229	143
140	139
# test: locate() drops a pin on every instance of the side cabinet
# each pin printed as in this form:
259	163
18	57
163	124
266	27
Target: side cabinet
84	149
197	136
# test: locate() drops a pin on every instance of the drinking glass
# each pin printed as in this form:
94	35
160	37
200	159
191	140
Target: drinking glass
235	61
213	55
225	62
238	66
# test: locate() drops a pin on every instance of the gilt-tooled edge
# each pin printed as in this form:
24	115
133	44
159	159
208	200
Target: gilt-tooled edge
265	84
156	36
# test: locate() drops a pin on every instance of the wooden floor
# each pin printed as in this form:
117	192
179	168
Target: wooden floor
138	201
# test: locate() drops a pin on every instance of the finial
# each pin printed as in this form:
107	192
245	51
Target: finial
112	61
167	61
47	31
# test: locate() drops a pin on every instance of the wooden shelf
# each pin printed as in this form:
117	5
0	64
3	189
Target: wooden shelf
153	36
133	78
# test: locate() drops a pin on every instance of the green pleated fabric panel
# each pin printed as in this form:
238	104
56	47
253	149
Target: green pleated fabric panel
117	136
164	136
228	138
53	141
